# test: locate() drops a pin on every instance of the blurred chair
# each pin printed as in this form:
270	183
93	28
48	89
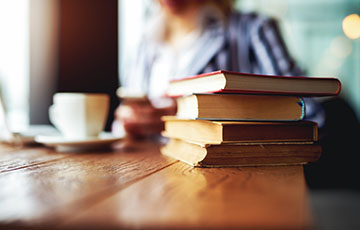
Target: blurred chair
338	166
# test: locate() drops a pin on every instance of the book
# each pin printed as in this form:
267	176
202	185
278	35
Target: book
236	82
242	154
218	132
240	107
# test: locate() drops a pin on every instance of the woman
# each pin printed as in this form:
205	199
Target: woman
192	37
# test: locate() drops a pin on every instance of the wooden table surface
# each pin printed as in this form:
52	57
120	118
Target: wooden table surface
135	187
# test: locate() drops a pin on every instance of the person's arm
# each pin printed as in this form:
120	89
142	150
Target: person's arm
143	117
273	58
137	116
270	50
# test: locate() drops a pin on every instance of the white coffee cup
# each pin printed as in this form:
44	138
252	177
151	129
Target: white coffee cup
79	115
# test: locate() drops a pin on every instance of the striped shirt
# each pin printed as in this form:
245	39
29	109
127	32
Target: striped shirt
247	43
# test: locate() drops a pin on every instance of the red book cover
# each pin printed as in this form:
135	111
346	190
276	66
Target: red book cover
267	84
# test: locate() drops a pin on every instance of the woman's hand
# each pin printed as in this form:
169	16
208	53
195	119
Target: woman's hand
143	118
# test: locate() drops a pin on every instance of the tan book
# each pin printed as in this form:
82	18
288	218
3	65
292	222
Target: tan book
242	154
240	107
217	132
236	82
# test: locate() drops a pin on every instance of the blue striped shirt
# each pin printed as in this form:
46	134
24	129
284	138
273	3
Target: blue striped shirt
247	43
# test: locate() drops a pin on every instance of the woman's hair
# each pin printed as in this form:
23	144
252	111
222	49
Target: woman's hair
225	6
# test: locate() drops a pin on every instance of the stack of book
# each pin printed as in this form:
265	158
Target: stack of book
235	119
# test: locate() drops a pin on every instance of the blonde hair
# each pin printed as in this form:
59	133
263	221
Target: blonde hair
225	6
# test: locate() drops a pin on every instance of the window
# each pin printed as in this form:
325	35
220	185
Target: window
14	60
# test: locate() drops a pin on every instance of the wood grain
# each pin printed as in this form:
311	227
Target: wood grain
54	190
16	157
180	196
134	186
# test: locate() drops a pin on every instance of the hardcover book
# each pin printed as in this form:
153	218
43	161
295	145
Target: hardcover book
218	132
236	82
242	154
240	107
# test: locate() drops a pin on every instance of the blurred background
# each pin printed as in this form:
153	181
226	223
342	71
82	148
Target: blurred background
44	40
323	35
48	46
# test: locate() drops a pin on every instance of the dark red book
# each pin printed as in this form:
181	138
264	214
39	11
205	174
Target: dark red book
235	82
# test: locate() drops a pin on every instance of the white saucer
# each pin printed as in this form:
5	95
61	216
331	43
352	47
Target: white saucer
63	144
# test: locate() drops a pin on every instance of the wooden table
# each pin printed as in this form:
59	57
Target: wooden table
135	187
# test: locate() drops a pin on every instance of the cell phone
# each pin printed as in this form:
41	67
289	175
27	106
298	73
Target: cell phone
132	95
